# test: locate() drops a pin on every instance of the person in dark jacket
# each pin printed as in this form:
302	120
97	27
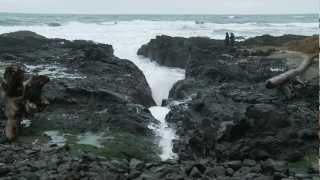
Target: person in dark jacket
227	39
232	39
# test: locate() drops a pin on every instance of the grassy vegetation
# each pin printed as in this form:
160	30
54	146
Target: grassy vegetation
117	144
310	160
121	146
309	45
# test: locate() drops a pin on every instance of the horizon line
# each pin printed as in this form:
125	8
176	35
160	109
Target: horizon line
157	14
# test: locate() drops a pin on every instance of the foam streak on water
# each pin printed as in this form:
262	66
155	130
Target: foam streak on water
52	71
90	138
55	137
166	133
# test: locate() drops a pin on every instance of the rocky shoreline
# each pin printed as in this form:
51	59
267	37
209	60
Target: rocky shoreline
38	162
225	110
229	125
90	91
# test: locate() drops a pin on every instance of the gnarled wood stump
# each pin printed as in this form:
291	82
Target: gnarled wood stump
22	97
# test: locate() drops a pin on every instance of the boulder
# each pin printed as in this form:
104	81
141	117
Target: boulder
272	166
195	173
249	162
136	164
267	116
91	90
174	51
216	171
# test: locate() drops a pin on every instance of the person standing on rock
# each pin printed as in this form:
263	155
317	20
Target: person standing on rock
232	39
227	39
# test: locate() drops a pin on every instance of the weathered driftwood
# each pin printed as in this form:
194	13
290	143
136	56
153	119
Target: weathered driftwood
283	78
22	98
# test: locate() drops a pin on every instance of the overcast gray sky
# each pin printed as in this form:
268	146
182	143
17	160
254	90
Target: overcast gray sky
161	6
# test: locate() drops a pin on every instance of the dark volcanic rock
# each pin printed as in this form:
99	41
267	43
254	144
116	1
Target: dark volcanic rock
173	51
90	90
60	163
177	51
54	24
268	40
225	111
166	50
94	61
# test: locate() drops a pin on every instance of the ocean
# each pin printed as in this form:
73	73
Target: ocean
126	33
208	25
36	19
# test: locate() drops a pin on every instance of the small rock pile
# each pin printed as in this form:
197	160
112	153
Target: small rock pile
30	162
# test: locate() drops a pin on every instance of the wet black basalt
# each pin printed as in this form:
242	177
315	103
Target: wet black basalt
174	51
35	162
225	110
91	90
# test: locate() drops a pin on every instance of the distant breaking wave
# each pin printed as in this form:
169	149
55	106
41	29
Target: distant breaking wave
232	17
10	19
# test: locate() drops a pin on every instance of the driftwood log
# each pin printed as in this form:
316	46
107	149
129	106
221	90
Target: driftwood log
22	98
285	77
